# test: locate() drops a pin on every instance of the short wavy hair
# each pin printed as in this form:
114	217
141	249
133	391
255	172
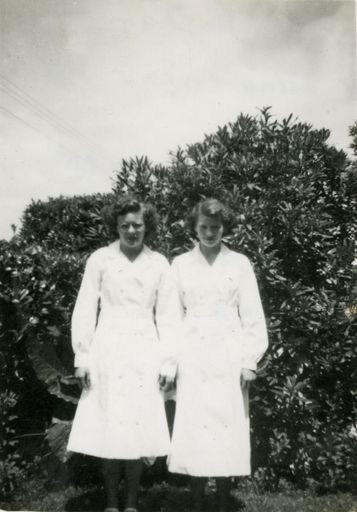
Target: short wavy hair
214	208
129	203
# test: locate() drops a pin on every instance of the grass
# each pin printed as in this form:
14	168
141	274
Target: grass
300	502
33	495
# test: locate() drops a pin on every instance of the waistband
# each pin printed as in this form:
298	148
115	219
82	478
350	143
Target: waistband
126	313
214	310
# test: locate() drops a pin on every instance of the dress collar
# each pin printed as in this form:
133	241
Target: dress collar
196	252
115	249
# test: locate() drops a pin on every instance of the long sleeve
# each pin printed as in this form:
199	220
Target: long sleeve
85	311
168	321
252	318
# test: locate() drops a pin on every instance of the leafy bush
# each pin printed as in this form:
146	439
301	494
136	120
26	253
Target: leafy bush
293	198
295	203
37	366
11	471
72	225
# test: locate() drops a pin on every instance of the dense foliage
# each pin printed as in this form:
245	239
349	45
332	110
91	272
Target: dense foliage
294	198
68	225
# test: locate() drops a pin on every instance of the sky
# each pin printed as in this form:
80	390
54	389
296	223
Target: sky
85	83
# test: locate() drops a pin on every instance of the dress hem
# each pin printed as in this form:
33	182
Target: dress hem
211	475
115	456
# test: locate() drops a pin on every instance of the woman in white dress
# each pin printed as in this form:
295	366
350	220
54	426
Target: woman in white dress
223	337
122	336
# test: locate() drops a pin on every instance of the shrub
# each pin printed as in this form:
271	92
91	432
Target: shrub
37	366
70	224
296	210
11	468
292	195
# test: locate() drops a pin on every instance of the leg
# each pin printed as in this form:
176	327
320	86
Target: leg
111	475
223	493
133	471
198	485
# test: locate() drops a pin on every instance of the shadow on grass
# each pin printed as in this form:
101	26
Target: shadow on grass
158	498
92	500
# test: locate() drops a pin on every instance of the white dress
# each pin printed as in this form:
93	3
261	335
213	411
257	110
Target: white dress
223	331
122	415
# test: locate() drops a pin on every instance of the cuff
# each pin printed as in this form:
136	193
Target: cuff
81	360
249	363
168	369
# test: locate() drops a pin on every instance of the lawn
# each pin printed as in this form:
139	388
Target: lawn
33	495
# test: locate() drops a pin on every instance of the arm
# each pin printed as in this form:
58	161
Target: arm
255	339
169	311
84	319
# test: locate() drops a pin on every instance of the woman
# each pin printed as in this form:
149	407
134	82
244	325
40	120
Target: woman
124	307
224	336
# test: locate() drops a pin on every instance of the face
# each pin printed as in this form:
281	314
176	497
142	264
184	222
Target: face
209	231
131	229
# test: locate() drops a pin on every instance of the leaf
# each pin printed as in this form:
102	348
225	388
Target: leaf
54	331
51	372
57	437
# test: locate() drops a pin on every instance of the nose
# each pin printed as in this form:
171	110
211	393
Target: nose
131	229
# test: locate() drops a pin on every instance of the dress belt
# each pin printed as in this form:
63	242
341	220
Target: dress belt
124	314
215	311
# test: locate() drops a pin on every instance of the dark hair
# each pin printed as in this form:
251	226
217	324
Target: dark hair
130	204
211	207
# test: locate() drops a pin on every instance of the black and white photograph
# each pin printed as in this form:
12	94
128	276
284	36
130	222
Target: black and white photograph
178	259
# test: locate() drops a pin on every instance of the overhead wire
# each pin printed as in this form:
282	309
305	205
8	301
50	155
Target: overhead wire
19	95
38	113
29	125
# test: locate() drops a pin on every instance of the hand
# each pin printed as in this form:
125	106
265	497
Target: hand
165	382
246	377
82	373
